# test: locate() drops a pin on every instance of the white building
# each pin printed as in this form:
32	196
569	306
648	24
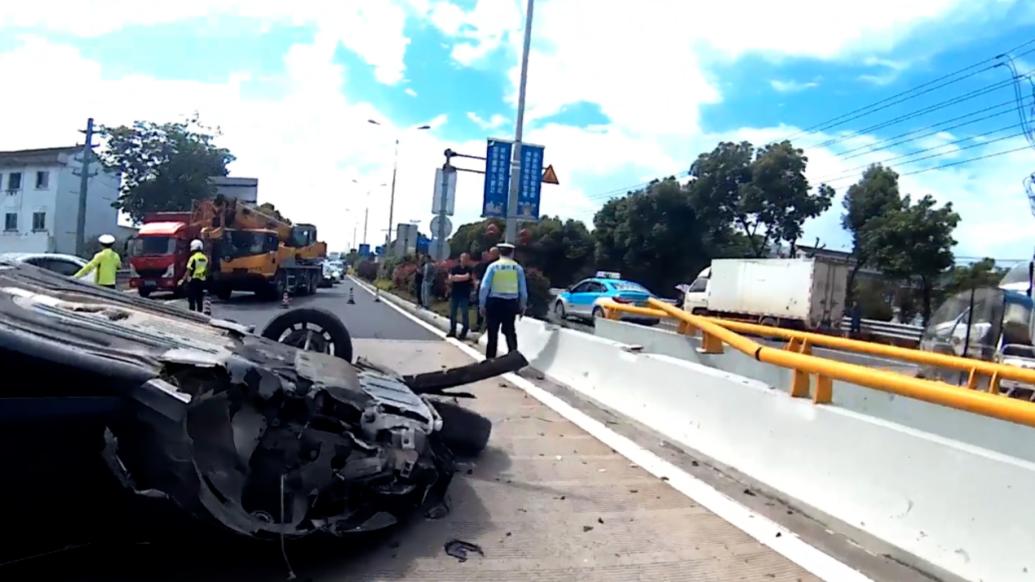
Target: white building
39	200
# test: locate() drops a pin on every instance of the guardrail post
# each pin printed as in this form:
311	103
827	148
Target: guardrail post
710	344
973	378
805	347
799	384
824	390
993	383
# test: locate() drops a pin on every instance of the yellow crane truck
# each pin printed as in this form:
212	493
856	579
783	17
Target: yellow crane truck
253	251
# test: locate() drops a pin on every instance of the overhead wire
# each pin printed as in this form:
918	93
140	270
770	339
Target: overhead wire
911	92
917	91
910	158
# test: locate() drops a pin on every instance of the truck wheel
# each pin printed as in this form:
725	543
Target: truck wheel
464	431
769	322
224	292
314	330
145	293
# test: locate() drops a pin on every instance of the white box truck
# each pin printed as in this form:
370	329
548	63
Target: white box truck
801	293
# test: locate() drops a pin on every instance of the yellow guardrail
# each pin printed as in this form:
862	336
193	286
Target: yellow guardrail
797	357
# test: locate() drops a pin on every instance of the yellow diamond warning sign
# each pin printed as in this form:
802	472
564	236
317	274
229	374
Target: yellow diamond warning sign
549	176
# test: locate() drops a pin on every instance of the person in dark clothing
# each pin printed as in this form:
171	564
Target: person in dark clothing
461	280
855	312
479	275
418	282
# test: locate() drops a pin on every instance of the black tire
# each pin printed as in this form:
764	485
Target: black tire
598	312
464	431
320	329
559	312
145	293
769	321
224	292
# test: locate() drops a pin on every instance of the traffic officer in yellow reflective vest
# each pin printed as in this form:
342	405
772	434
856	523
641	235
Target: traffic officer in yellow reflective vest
503	296
196	276
106	263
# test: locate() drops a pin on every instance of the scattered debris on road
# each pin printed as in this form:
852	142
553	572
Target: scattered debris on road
459	549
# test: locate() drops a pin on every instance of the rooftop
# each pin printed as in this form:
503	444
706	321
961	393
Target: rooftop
37	156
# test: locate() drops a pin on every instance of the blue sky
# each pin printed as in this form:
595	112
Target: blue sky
617	96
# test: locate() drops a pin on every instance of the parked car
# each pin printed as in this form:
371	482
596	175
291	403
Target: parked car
67	265
583	299
332	273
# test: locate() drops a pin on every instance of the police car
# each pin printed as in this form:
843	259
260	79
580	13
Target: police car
583	300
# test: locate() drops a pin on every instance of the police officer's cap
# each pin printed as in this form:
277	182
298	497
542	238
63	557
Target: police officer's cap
504	245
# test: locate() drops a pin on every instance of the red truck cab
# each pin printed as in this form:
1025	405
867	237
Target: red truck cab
158	253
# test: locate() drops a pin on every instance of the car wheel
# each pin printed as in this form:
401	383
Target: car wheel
313	330
598	312
145	293
559	312
464	431
224	292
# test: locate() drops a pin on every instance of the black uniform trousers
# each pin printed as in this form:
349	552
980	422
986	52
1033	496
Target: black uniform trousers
501	313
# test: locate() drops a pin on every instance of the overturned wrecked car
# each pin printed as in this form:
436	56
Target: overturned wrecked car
266	435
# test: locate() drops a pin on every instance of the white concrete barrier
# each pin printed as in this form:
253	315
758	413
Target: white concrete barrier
963	508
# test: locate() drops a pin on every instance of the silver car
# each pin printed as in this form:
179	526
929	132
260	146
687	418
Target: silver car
67	265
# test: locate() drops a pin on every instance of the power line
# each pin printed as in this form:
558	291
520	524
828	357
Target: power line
966	161
929	109
883	103
851	172
1007	106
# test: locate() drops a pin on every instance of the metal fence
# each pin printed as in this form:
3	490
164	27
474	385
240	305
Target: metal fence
900	332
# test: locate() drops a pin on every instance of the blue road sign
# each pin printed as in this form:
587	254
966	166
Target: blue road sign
497	178
364	250
530	182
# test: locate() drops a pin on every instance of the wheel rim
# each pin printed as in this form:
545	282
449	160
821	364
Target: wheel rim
558	309
309	337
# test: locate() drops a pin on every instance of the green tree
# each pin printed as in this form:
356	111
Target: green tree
563	251
779	197
983	273
762	193
914	242
652	236
475	238
164	166
875	194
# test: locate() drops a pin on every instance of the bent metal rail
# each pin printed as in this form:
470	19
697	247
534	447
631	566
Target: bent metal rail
797	357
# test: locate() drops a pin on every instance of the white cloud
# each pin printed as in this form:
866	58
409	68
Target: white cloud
792	86
493	122
373	30
409	91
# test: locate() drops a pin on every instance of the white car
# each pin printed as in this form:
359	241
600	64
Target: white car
67	265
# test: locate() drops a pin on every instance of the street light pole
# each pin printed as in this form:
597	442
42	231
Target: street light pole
510	234
391	202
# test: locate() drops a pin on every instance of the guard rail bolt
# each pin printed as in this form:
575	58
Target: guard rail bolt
799	384
710	344
824	390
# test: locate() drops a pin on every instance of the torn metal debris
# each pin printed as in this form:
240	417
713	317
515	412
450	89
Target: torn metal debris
258	437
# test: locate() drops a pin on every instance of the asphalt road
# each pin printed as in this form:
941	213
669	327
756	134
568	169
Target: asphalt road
365	320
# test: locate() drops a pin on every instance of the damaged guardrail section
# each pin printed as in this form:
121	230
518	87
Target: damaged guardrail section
948	506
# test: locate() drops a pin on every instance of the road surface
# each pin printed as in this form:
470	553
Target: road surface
366	319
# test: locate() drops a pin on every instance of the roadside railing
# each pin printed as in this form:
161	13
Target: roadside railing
797	356
900	332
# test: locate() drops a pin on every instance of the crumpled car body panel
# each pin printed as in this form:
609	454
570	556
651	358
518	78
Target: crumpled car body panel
256	436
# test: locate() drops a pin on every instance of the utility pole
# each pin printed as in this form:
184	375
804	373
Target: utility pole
366	214
510	235
391	203
84	183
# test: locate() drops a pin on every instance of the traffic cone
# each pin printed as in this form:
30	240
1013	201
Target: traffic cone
285	302
352	300
206	305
